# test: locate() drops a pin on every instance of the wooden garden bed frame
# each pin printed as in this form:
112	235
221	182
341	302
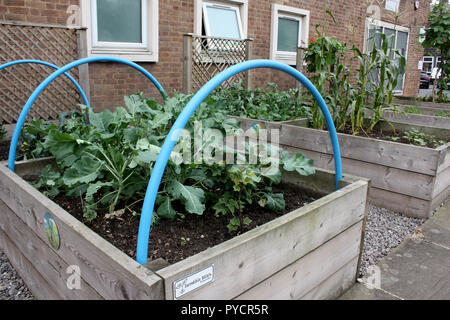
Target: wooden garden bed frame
310	253
405	178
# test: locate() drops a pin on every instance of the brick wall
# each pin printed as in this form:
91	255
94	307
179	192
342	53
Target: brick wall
350	28
36	11
110	82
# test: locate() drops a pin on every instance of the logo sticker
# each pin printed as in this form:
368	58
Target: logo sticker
52	231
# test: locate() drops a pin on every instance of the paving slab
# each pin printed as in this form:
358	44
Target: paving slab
437	229
360	292
418	269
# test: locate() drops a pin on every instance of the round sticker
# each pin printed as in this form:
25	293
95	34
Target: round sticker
52	230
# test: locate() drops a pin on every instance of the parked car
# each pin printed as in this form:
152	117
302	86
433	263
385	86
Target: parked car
424	80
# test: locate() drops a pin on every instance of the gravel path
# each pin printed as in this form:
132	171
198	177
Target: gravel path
385	230
12	286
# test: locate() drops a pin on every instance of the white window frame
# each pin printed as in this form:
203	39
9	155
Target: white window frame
222	6
396	28
146	51
302	16
240	5
392	5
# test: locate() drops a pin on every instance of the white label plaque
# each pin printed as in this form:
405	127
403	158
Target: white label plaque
192	282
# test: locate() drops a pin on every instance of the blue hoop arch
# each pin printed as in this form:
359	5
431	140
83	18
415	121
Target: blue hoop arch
183	118
53	76
12	63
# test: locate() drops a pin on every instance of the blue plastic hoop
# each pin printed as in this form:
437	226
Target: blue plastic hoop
183	118
53	76
12	63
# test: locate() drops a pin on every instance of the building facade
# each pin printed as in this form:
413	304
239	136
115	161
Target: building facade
150	32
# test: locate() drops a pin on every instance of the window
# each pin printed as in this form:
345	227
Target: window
428	62
392	5
289	28
221	19
124	28
398	39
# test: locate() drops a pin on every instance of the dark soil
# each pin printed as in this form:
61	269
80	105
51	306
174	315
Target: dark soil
4	150
175	240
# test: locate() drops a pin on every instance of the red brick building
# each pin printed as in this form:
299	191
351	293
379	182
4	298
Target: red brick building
150	32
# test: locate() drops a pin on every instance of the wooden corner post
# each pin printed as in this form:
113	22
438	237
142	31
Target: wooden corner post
187	63
83	70
299	63
248	56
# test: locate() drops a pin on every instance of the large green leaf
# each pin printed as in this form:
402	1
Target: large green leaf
165	210
298	163
161	119
191	197
275	201
93	188
101	121
84	170
61	145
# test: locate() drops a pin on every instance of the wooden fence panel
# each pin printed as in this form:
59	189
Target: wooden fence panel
205	57
56	45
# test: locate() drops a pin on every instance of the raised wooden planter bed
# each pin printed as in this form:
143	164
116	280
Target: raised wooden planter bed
408	179
430	122
311	253
426	104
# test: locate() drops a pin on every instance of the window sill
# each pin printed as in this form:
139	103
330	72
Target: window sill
290	59
131	55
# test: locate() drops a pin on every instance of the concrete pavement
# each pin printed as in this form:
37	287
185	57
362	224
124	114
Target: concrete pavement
418	269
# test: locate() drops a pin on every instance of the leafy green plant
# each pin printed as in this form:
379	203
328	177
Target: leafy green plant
108	162
252	183
350	103
327	62
443	113
413	110
418	138
437	35
377	79
271	104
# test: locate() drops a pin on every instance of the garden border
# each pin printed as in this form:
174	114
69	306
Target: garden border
409	179
280	250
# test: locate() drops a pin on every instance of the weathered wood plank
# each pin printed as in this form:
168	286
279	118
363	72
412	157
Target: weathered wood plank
427	110
322	182
419	119
442	181
391	154
108	270
404	125
51	267
410	206
391	179
444	157
308	272
246	259
38	286
336	285
440	198
421	104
